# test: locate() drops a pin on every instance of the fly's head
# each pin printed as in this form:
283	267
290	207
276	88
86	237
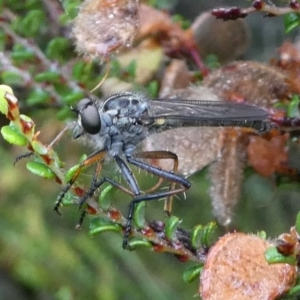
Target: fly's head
88	118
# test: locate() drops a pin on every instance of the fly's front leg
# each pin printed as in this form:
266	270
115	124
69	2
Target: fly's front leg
133	191
93	158
95	185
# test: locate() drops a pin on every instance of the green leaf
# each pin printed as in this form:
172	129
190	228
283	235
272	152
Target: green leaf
192	273
82	158
69	199
23	55
71	172
64	114
293	108
98	225
212	61
209	234
262	235
273	256
3	102
171	227
12	135
292	293
297	225
152	88
3	105
71	10
39	148
139	215
85	72
32	23
57	48
73	97
105	198
115	68
204	235
131	69
49	76
138	243
37	96
40	169
196	237
291	21
78	69
12	78
184	23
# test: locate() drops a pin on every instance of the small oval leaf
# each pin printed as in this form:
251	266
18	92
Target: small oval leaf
39	148
98	225
12	78
105	198
171	227
57	48
13	136
273	257
71	172
196	237
49	76
40	169
293	108
192	273
73	97
297	225
3	102
23	55
209	234
139	215
37	96
138	243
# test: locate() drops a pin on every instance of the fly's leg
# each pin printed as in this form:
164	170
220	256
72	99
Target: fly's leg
93	158
132	183
170	176
20	157
162	155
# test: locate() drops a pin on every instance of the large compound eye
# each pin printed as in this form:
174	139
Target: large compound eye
89	115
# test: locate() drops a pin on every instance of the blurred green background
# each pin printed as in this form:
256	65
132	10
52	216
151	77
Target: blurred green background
42	256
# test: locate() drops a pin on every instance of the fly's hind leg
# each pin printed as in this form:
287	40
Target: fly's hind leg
162	155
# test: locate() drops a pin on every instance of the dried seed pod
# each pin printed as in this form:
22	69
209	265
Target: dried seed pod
227	40
236	269
254	82
103	27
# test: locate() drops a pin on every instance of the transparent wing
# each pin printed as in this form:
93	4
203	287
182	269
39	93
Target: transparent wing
175	113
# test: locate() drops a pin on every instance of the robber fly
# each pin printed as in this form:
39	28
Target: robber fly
116	126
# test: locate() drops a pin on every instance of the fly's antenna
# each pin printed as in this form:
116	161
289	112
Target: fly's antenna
103	78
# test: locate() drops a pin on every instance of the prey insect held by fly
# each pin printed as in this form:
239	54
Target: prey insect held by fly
115	128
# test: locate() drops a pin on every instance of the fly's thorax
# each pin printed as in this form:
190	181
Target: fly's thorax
126	104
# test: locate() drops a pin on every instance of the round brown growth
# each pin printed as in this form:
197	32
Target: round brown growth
250	81
237	269
104	27
227	40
